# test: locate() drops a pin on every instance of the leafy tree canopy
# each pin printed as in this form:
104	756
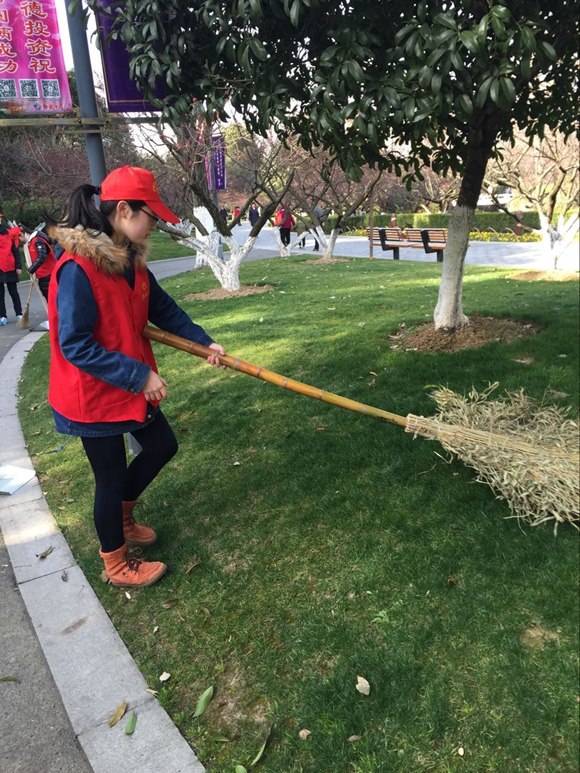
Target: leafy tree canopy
442	77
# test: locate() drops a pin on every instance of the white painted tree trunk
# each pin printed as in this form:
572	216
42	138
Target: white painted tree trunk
226	268
328	244
449	311
556	240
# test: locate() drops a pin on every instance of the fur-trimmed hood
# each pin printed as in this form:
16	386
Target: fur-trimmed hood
107	256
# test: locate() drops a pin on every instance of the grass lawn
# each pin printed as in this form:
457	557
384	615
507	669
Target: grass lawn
308	546
162	246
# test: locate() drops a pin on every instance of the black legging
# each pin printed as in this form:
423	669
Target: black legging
13	291
115	482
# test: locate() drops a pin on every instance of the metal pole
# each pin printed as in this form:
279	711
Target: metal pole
86	89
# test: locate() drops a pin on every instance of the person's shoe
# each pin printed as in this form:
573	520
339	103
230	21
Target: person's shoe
136	533
18	317
125	572
3	321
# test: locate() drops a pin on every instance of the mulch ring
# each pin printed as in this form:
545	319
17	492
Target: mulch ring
479	331
218	293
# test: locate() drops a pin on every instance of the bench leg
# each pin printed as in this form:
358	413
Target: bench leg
395	253
440	256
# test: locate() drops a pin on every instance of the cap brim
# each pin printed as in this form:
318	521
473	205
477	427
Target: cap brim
159	208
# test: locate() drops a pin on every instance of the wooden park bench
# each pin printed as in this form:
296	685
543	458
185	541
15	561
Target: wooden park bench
427	239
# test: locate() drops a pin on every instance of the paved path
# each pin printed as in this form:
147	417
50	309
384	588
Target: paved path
55	637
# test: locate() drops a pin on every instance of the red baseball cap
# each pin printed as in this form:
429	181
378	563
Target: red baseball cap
133	183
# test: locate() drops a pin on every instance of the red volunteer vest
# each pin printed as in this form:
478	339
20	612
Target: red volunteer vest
122	315
47	267
7	261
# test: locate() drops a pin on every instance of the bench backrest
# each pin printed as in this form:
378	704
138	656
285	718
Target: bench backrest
438	235
413	235
391	235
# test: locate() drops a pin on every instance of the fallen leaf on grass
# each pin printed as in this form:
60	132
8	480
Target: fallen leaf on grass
131	722
362	685
353	738
151	690
164	676
168	603
45	553
119	711
303	734
461	751
128	595
259	754
192	564
203	702
535	637
156	629
240	769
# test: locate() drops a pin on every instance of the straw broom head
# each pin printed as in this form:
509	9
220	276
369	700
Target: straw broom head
521	448
23	322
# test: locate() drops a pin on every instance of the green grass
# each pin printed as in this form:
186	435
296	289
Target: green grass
162	246
308	545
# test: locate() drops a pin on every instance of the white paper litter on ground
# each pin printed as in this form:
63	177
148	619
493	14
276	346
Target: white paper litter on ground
12	478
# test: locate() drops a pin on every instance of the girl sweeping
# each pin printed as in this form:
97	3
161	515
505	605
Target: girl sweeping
103	376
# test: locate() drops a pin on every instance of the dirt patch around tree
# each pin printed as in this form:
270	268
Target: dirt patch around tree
479	331
219	293
546	276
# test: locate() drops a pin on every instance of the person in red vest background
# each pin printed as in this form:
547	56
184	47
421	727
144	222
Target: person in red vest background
43	260
10	270
103	376
285	222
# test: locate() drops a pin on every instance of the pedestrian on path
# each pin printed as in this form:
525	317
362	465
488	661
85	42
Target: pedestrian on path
10	270
43	259
285	222
103	375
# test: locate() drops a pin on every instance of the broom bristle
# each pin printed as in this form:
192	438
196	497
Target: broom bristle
520	448
23	321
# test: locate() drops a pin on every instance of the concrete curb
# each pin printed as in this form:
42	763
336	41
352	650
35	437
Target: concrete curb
91	666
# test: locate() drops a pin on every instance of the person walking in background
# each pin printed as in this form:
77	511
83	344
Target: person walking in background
10	270
285	222
103	375
43	259
253	214
237	211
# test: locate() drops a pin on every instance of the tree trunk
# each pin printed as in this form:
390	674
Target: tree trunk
449	311
329	243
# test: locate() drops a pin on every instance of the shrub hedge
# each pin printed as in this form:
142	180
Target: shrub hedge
483	221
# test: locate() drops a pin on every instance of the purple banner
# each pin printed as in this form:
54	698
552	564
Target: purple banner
123	94
215	164
33	78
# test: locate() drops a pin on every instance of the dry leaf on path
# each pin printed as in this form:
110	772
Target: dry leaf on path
119	711
45	553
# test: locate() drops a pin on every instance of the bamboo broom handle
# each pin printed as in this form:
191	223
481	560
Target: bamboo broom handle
177	342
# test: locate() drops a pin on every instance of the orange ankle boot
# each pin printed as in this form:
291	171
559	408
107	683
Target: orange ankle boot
125	572
136	533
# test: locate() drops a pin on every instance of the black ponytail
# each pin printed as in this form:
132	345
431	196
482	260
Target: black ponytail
82	211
